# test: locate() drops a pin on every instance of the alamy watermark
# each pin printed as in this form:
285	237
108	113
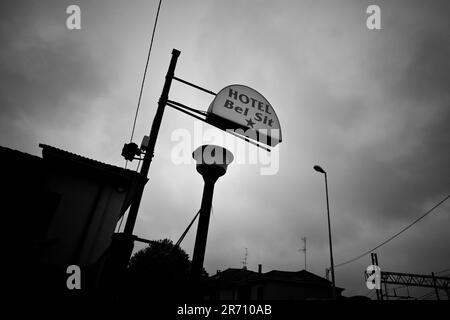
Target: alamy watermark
73	21
74	279
373	22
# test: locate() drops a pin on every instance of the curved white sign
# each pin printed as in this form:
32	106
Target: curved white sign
240	107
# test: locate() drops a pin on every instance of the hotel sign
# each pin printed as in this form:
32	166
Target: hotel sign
240	107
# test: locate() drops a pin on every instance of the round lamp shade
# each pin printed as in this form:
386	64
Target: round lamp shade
212	160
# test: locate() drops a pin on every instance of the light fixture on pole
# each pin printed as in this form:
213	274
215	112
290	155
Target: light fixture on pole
319	169
212	162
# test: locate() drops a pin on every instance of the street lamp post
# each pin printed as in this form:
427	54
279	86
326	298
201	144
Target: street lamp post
212	162
319	169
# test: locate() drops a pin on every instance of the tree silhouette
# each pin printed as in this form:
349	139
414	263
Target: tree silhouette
160	271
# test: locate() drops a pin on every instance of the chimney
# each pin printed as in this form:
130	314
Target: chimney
260	268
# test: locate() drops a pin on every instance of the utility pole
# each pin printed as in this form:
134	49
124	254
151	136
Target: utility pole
304	249
379	292
123	243
132	215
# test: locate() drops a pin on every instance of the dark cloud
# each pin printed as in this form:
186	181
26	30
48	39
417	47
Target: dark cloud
398	186
43	65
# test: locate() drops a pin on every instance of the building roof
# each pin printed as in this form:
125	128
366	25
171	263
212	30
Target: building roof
64	159
303	277
239	277
61	162
15	155
233	275
70	163
54	154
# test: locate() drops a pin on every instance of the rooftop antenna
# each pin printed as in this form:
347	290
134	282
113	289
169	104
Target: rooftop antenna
244	261
304	249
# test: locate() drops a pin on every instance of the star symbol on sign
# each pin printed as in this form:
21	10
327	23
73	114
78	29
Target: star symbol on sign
250	123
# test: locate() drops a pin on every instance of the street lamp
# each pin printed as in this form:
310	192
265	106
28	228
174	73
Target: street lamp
319	169
212	162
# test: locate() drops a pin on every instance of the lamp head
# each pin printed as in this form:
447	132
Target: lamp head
319	169
212	161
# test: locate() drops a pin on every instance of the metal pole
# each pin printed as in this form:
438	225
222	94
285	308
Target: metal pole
304	240
375	255
123	243
374	264
132	215
304	249
210	171
202	230
435	287
329	236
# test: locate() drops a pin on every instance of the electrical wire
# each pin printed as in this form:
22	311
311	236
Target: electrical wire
186	231
145	70
140	93
123	216
426	295
139	163
442	271
395	235
144	75
120	223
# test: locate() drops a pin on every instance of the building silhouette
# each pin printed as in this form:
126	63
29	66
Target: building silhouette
243	284
61	209
58	210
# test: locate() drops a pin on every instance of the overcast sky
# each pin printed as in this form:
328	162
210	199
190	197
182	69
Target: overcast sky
372	107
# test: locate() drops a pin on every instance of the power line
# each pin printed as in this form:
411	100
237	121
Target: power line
426	295
123	216
395	235
443	271
145	70
187	230
144	75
